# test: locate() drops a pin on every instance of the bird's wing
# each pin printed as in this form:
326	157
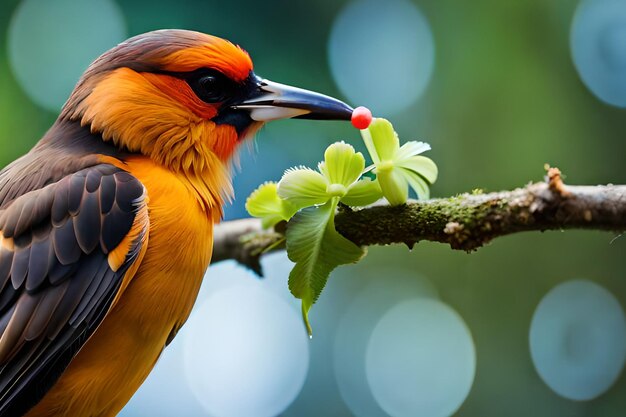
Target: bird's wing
66	252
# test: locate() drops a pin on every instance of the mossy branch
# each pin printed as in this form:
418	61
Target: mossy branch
465	222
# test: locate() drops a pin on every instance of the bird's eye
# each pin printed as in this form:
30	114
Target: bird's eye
213	87
210	86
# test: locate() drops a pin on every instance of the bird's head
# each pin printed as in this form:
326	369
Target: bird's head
185	99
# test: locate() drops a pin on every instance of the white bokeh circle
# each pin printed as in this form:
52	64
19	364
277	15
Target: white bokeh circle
246	353
421	360
381	54
168	391
578	339
598	43
51	43
356	326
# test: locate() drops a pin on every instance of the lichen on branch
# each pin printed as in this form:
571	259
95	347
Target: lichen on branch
465	222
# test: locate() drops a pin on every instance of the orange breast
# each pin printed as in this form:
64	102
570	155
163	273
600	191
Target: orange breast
118	357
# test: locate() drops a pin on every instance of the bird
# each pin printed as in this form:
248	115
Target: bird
106	223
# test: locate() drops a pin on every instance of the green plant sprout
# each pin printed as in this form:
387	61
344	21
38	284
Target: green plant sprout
307	199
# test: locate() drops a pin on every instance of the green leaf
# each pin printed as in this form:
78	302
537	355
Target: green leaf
418	183
316	248
420	165
265	203
393	184
369	144
398	167
362	193
381	140
342	165
303	187
412	148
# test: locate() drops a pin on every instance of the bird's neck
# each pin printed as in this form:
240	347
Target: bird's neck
205	189
184	152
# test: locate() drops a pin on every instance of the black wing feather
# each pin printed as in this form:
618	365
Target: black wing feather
56	284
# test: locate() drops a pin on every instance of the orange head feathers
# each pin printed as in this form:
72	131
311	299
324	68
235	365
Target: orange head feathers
185	99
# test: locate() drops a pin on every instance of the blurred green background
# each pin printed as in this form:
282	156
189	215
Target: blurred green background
498	89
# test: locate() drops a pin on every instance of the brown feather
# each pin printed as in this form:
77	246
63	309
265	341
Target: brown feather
55	258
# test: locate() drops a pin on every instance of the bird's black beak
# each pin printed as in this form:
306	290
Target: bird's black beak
268	100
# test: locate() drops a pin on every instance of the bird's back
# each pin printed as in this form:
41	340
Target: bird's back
66	148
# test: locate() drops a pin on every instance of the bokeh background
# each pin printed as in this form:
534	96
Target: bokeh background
532	324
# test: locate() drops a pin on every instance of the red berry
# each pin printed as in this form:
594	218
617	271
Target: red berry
361	117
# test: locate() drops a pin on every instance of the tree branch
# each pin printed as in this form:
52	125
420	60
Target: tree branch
465	222
245	241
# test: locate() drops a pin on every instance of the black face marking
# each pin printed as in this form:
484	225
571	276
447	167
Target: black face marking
239	119
213	87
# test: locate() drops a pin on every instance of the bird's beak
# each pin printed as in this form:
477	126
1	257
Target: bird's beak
271	101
